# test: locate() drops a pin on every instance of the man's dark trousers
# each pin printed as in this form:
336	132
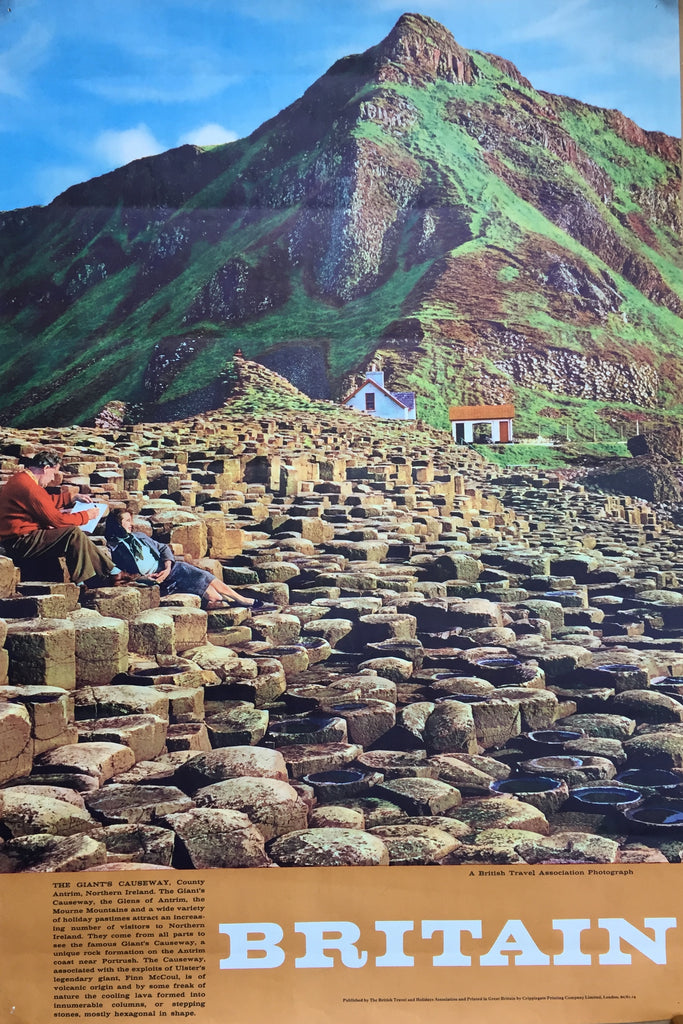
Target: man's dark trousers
83	558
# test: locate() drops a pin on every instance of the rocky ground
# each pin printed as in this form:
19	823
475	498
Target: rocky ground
466	665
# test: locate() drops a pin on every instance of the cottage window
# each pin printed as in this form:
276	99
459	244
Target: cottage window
369	401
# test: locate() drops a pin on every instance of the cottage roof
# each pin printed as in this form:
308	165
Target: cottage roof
481	412
377	387
406	397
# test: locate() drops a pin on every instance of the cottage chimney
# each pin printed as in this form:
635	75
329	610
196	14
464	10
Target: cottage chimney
375	375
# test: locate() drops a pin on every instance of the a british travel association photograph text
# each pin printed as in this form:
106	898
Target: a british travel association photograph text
341	514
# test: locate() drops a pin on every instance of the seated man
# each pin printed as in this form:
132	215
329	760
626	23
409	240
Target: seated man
32	525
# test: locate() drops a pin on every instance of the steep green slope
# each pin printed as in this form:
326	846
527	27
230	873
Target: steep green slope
420	204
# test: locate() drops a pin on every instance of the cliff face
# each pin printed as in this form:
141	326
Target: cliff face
420	204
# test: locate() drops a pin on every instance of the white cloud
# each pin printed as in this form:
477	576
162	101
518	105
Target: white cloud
21	59
207	135
168	87
116	148
565	22
601	48
657	54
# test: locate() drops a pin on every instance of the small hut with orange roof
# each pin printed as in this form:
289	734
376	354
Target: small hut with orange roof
464	418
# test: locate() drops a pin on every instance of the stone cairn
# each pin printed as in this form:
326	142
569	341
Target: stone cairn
466	665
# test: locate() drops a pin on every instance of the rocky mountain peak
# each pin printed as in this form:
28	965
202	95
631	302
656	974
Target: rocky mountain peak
419	50
419	203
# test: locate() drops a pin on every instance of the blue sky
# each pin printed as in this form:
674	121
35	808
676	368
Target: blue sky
88	85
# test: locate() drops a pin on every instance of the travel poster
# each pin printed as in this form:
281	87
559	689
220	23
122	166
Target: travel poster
370	321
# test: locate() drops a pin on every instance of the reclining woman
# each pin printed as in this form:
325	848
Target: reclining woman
135	552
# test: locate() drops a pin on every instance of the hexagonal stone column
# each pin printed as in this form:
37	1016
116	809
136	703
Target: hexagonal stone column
151	633
16	745
215	837
51	714
29	810
450	728
190	626
320	847
119	602
144	734
100	760
272	805
42	652
9	577
101	647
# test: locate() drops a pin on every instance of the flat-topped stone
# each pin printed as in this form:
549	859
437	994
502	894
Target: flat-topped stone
102	760
29	810
329	847
215	837
272	805
124	803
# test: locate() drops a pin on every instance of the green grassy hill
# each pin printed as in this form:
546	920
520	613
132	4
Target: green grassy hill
421	205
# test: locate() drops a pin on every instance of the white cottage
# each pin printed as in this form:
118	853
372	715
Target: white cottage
374	398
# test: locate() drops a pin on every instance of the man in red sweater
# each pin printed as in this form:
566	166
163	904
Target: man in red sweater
32	524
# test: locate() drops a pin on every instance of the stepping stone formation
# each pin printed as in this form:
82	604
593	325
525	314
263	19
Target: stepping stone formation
452	654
